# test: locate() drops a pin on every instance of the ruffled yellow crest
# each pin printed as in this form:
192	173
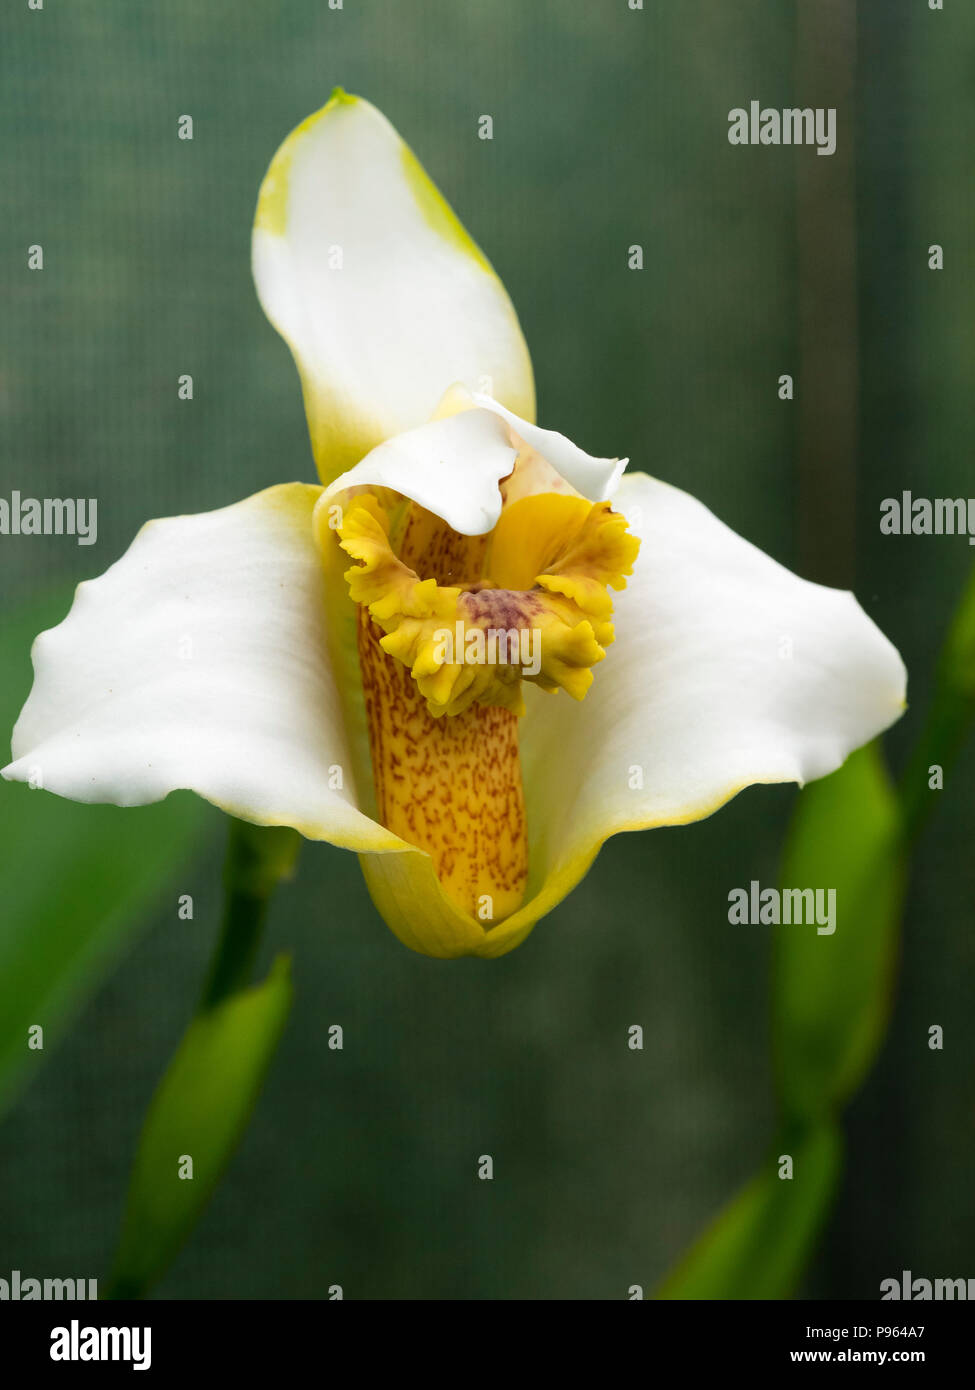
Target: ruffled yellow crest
540	612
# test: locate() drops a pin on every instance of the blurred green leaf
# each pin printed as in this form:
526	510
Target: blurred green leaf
950	715
759	1244
77	879
956	665
199	1110
258	858
831	993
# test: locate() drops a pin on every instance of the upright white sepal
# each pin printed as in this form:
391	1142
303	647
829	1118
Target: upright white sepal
379	291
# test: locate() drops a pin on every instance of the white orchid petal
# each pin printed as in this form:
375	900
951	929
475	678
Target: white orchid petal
199	660
379	291
727	670
451	466
595	478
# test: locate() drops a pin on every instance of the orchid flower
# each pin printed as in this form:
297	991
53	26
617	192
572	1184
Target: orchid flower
320	656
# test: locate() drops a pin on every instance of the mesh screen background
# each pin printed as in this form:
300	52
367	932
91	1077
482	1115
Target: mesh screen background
610	129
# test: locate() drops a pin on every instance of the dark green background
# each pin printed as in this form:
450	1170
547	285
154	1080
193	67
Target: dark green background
610	129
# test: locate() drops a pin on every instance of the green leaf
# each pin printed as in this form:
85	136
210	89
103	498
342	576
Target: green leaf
950	715
199	1112
831	993
77	879
760	1243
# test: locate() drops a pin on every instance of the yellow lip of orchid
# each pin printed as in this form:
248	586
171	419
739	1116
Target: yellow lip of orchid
535	605
321	656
